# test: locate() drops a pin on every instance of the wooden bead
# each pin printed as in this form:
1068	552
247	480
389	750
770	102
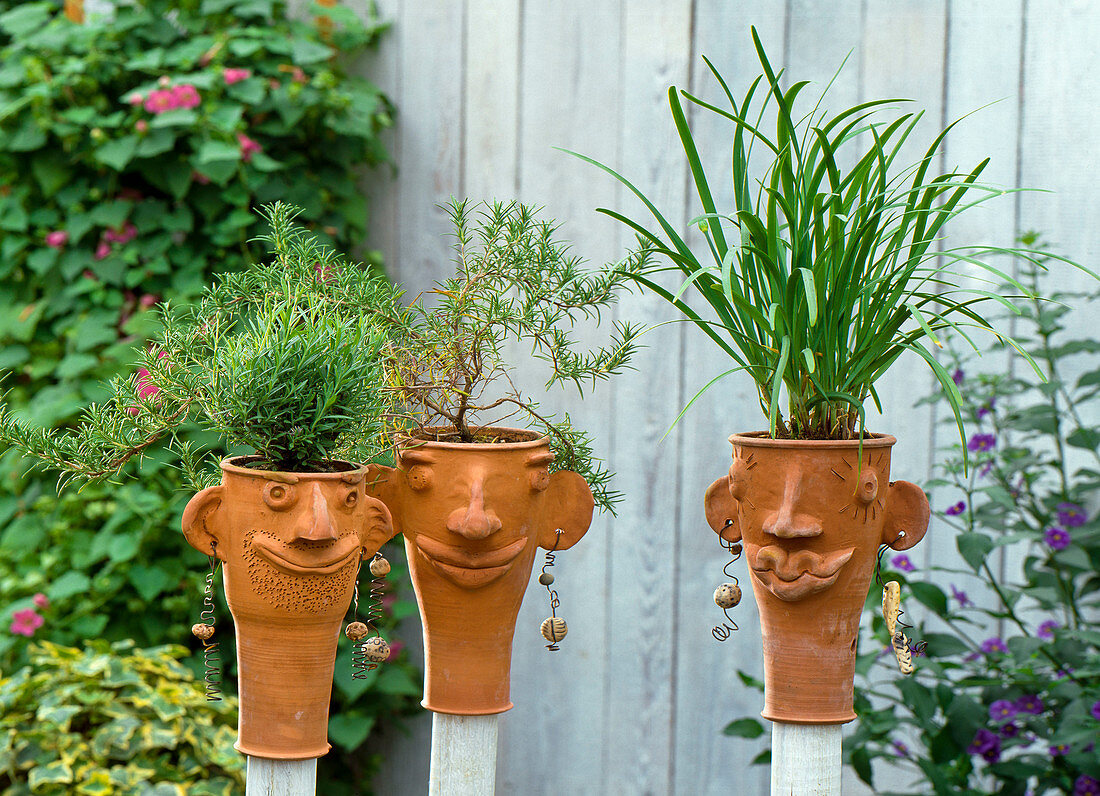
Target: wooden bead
546	578
554	629
376	650
202	631
356	631
379	567
727	595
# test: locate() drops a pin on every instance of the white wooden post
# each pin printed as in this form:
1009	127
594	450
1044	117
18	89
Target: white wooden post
805	759
281	777
464	755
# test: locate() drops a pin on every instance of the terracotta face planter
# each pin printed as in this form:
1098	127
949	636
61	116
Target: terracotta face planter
290	544
473	516
812	515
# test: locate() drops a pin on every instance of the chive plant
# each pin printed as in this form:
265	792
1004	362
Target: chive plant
819	276
279	360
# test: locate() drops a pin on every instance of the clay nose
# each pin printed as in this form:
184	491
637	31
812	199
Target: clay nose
316	526
787	525
472	521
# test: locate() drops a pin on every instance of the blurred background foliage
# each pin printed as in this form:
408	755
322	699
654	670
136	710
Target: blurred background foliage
133	150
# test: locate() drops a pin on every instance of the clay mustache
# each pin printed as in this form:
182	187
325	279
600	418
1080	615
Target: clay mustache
323	561
469	568
795	576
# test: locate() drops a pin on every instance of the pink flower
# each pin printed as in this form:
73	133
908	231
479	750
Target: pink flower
41	601
57	238
249	147
233	75
395	648
135	99
298	76
148	300
160	101
90	274
273	84
102	250
123	235
163	81
186	96
141	126
25	622
200	178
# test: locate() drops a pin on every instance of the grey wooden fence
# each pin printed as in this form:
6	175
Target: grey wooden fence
637	697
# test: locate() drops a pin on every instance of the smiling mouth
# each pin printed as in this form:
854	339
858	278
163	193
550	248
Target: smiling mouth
796	576
324	561
469	568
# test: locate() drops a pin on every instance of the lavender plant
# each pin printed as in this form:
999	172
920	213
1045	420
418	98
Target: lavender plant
514	281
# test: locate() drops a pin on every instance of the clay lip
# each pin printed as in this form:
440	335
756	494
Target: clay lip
795	576
466	567
313	562
761	439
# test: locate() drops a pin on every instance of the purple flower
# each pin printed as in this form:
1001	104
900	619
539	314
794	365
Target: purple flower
1086	786
981	442
1095	710
1029	703
986	408
1010	730
957	377
957	509
902	563
1056	538
964	601
1046	629
1058	749
900	749
991	645
1002	709
1071	515
986	744
985	469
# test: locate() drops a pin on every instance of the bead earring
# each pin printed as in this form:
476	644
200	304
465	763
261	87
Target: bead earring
204	631
728	595
554	628
367	653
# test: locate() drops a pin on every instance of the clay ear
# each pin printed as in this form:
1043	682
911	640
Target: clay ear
382	486
569	506
377	526
907	514
200	525
721	510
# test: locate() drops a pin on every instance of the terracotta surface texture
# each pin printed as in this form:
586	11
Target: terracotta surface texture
290	546
473	516
812	515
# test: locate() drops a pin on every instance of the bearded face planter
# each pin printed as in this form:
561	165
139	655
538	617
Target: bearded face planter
290	546
473	516
812	516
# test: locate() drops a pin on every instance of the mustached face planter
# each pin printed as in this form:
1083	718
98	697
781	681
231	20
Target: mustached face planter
812	515
473	516
290	546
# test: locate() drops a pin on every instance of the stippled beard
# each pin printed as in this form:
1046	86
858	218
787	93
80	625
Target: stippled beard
300	593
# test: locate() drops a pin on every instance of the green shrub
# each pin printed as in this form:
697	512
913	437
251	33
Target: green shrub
114	719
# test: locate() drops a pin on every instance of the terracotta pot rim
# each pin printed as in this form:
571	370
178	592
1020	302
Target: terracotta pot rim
535	441
760	439
230	465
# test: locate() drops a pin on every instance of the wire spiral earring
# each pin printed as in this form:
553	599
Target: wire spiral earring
367	653
895	626
728	594
204	631
553	628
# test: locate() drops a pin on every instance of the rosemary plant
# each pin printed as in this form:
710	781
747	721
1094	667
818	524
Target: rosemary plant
821	276
514	281
278	359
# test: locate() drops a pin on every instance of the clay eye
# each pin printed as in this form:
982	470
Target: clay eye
351	499
279	496
867	488
540	479
419	477
739	479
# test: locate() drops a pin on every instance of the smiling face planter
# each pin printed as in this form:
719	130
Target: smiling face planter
812	515
473	517
290	545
